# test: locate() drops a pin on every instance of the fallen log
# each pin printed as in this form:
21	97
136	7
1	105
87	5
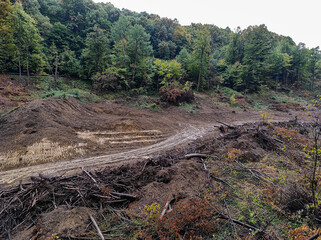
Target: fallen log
200	155
164	210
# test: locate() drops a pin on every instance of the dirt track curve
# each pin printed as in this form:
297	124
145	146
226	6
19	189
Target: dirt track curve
189	134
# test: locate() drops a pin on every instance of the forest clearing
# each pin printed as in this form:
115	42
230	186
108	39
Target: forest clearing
116	124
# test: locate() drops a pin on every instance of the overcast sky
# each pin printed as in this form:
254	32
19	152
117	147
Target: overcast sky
298	19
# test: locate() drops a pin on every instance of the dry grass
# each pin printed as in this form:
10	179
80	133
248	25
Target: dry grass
40	152
130	137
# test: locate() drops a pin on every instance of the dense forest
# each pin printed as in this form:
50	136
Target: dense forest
124	50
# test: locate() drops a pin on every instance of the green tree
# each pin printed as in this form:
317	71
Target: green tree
235	48
138	47
119	33
183	58
70	65
26	35
7	46
313	65
97	47
202	48
258	45
169	71
54	60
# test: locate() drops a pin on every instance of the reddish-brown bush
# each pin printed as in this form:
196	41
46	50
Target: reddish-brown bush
191	218
174	93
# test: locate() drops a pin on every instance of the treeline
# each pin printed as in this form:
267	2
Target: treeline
125	50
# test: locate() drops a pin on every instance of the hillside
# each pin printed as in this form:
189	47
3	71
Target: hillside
123	125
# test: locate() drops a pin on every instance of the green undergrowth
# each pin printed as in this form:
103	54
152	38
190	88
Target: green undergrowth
189	107
147	102
83	96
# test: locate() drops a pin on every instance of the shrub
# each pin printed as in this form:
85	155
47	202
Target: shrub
105	82
175	93
192	218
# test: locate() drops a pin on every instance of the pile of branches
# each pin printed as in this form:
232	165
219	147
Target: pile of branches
22	205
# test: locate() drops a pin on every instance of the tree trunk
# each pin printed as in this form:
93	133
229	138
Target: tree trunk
124	53
200	71
56	71
135	62
19	54
27	59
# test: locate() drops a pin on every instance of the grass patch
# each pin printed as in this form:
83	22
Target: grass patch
228	92
148	103
82	95
188	107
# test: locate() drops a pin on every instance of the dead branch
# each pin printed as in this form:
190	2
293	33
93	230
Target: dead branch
125	195
222	181
241	223
200	155
164	210
97	228
225	124
314	236
88	174
230	218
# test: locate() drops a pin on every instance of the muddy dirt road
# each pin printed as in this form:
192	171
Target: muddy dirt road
189	134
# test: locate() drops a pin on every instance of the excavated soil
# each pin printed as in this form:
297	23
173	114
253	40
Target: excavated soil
61	136
55	129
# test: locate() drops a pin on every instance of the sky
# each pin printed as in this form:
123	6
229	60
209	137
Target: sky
301	20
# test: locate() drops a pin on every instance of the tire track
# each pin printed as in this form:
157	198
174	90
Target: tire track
189	134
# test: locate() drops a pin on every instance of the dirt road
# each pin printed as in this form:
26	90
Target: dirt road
189	134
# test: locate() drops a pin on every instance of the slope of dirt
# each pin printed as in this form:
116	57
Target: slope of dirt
12	93
55	129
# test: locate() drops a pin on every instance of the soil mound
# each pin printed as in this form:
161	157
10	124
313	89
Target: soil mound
49	130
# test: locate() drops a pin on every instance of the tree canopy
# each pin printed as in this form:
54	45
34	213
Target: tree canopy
140	50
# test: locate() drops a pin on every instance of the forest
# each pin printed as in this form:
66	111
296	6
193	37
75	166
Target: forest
123	50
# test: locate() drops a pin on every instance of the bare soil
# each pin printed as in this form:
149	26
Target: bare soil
126	149
59	136
60	206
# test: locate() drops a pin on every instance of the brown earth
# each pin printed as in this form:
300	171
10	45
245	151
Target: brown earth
56	205
50	131
56	137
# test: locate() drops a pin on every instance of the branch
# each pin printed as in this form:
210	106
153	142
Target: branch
164	210
240	223
314	236
225	124
125	195
200	155
97	228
